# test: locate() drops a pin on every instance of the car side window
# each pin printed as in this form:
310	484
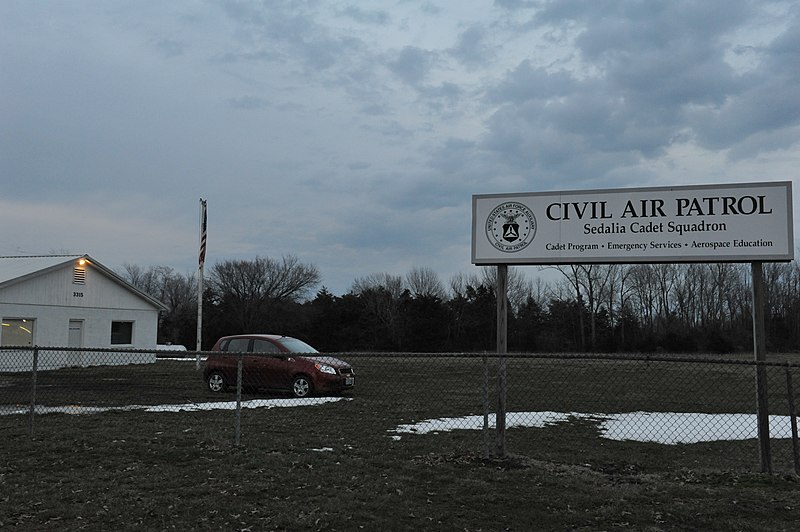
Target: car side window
237	344
265	346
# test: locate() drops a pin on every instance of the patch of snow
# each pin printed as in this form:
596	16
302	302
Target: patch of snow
669	428
672	428
8	410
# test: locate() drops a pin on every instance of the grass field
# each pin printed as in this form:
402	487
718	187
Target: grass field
342	465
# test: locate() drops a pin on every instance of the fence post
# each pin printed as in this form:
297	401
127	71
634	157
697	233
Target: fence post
793	420
760	349
238	423
34	370
502	347
486	407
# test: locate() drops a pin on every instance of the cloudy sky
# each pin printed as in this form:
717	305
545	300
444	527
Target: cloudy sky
353	134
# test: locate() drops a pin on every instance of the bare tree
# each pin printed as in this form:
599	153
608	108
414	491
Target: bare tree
666	276
519	286
248	288
540	291
424	282
687	298
380	293
392	284
458	285
265	278
617	292
590	283
622	285
643	298
151	280
177	292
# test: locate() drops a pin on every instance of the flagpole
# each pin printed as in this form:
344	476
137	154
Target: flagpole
201	263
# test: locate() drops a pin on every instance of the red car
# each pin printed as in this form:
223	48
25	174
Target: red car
275	362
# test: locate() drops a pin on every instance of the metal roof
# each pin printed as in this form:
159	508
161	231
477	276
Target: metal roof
16	269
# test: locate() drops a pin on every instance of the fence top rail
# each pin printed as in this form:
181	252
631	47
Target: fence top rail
632	357
627	357
165	352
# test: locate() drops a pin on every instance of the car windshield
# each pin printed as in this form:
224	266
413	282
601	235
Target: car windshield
293	345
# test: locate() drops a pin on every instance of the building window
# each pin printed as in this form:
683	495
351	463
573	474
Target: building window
17	332
121	332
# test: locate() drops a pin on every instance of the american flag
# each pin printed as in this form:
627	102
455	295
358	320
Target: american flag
203	231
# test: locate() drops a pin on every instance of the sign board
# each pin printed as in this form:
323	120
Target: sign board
742	222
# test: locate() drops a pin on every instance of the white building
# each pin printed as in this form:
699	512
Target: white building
74	301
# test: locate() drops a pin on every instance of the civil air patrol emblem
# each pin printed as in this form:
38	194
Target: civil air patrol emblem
511	226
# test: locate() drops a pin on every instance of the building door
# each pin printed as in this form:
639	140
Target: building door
75	339
75	333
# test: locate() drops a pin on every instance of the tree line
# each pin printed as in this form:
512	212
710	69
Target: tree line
605	308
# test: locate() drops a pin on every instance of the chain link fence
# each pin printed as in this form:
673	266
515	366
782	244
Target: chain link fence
553	403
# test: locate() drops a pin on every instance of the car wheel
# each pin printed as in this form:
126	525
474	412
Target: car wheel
216	382
301	386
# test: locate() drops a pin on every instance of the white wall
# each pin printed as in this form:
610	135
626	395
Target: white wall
56	288
51	326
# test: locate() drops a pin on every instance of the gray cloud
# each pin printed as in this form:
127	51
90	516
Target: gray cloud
248	102
366	16
170	47
354	136
287	32
660	71
472	48
527	82
412	64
